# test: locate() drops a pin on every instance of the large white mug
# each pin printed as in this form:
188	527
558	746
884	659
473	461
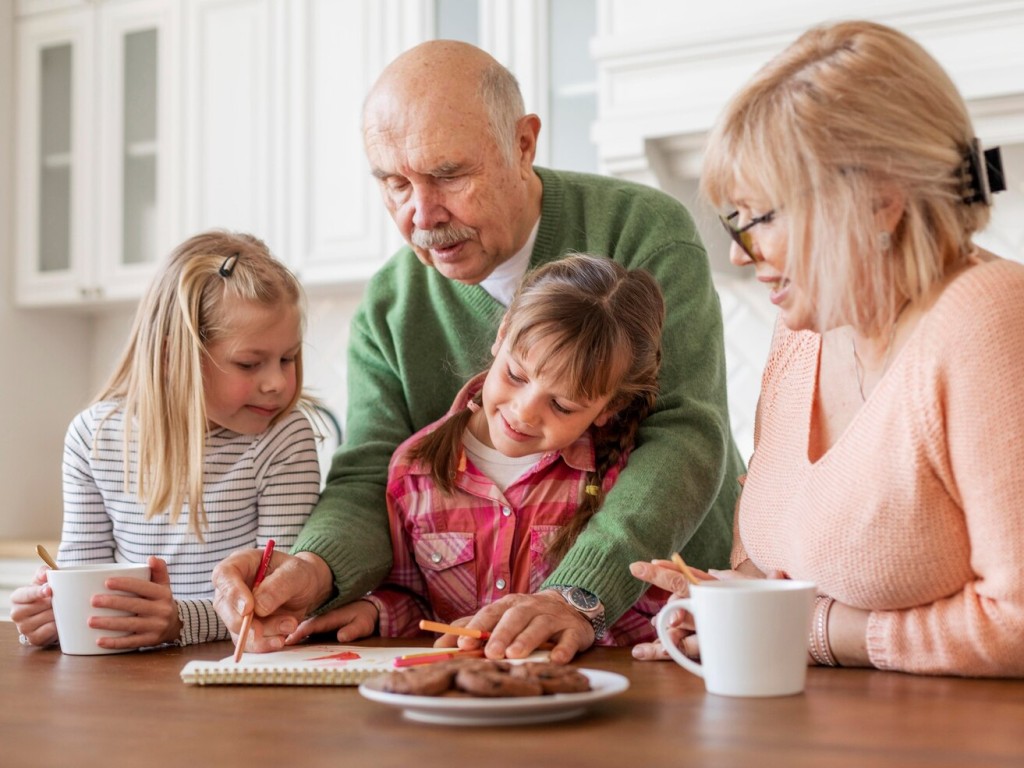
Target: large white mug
753	635
73	588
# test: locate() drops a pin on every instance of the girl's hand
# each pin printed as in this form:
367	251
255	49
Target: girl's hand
353	621
155	613
32	610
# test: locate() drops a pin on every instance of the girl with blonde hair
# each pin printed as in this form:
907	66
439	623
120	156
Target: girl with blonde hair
887	459
486	501
196	446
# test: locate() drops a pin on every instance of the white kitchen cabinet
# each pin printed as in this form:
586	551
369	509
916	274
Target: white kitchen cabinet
144	121
95	200
340	231
273	139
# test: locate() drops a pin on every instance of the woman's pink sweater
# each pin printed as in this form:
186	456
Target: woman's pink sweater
916	513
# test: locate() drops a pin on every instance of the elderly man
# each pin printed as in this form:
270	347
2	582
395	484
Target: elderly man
448	139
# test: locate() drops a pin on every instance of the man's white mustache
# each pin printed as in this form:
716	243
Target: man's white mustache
442	236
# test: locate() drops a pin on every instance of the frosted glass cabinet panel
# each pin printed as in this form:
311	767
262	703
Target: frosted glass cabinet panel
139	180
94	201
54	226
54	155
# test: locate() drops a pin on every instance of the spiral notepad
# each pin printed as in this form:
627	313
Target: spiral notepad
298	665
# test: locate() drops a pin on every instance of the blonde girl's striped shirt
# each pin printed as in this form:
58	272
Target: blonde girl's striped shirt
256	487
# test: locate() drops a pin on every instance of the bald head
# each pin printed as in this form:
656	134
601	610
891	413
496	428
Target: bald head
440	79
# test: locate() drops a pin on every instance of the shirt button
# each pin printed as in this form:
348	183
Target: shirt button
500	583
435	558
506	511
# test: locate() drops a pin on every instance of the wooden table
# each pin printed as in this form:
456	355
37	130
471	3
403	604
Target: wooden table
132	709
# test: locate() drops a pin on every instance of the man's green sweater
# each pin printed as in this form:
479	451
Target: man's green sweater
418	336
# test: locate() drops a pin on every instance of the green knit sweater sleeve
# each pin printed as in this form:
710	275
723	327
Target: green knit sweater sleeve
679	489
415	339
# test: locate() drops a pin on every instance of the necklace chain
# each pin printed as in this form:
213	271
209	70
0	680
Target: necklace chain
859	366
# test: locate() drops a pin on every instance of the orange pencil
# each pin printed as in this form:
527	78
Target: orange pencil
449	629
243	635
684	568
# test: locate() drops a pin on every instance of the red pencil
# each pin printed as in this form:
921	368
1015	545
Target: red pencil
243	635
415	659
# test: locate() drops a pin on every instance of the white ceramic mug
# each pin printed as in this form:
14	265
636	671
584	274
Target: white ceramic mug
753	635
73	588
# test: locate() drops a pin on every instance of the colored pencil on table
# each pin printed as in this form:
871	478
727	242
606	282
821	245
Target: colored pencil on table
449	629
243	635
415	659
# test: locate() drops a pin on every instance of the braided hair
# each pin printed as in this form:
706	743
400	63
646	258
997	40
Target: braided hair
601	325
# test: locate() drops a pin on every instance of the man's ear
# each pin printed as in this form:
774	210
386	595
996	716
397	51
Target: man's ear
501	335
527	130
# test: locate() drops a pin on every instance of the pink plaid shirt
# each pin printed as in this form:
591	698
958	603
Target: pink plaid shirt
454	554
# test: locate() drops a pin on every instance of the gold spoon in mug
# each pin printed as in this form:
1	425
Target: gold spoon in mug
41	551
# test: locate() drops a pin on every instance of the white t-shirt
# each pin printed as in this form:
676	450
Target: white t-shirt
501	469
504	280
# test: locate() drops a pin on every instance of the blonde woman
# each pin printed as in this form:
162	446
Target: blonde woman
486	501
888	462
217	457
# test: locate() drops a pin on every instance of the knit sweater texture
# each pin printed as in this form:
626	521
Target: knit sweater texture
417	337
912	514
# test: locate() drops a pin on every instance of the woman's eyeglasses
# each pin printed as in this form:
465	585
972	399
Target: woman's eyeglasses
741	235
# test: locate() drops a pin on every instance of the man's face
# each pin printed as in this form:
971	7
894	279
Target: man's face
457	200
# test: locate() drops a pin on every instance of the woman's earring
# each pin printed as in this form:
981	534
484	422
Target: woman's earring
884	241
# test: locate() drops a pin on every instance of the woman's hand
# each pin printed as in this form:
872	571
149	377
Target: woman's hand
32	610
664	574
155	613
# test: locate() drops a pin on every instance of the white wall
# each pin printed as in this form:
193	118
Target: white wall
46	361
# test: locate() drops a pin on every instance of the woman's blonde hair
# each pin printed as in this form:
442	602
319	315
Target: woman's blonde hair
845	115
158	382
602	327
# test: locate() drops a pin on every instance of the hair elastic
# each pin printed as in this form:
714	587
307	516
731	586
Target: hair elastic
982	173
228	267
593	490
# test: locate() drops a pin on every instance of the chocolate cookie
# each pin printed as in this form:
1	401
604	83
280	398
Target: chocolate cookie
428	680
495	683
553	678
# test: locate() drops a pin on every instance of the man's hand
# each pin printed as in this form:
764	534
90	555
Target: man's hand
353	621
293	587
520	623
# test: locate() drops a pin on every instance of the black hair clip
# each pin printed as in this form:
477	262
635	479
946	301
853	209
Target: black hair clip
982	173
228	267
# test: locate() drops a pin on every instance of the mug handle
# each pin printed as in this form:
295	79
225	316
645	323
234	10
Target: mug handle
662	626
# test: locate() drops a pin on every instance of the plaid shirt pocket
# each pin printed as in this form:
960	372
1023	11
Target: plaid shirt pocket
448	563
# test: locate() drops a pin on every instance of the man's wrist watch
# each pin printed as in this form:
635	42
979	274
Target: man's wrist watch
586	603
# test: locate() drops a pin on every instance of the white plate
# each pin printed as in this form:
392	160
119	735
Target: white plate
511	711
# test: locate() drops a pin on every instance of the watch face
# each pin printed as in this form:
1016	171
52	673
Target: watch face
582	599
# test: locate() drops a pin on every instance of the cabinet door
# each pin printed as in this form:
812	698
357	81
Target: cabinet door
341	232
136	89
233	116
55	159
